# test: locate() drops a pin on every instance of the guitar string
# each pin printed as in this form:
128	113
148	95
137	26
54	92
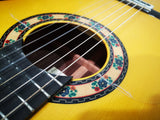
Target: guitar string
52	51
92	48
99	41
19	21
72	49
114	85
48	42
49	26
118	86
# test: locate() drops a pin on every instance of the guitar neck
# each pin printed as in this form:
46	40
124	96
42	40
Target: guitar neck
26	93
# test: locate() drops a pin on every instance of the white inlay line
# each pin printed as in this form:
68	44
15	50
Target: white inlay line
3	116
41	89
26	104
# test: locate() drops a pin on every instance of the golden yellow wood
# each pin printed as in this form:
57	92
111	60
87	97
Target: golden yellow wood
141	38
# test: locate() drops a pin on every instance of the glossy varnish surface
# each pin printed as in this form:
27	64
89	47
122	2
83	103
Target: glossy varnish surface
140	36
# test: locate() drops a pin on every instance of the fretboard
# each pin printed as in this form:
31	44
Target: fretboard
22	94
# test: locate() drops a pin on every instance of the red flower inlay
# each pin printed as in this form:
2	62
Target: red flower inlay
106	76
96	88
25	22
119	68
72	88
50	15
7	41
20	30
117	44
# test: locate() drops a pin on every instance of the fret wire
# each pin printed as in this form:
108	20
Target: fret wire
42	90
52	63
58	82
3	116
26	104
87	51
42	71
47	44
102	39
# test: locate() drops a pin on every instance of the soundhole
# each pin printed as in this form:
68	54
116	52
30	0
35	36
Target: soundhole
61	56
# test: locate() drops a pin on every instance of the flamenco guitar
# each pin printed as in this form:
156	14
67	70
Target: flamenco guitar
79	60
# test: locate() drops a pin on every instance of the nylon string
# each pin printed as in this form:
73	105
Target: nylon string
49	26
65	54
51	40
78	58
49	43
84	53
128	94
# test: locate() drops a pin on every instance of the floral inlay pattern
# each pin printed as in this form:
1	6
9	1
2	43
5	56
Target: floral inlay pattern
118	62
86	89
21	27
71	17
102	83
7	42
113	41
68	91
45	17
96	25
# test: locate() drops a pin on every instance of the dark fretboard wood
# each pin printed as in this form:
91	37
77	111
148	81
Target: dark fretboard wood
24	94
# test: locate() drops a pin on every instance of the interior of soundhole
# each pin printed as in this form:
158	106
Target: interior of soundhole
85	66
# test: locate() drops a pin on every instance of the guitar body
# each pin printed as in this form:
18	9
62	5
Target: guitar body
138	96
